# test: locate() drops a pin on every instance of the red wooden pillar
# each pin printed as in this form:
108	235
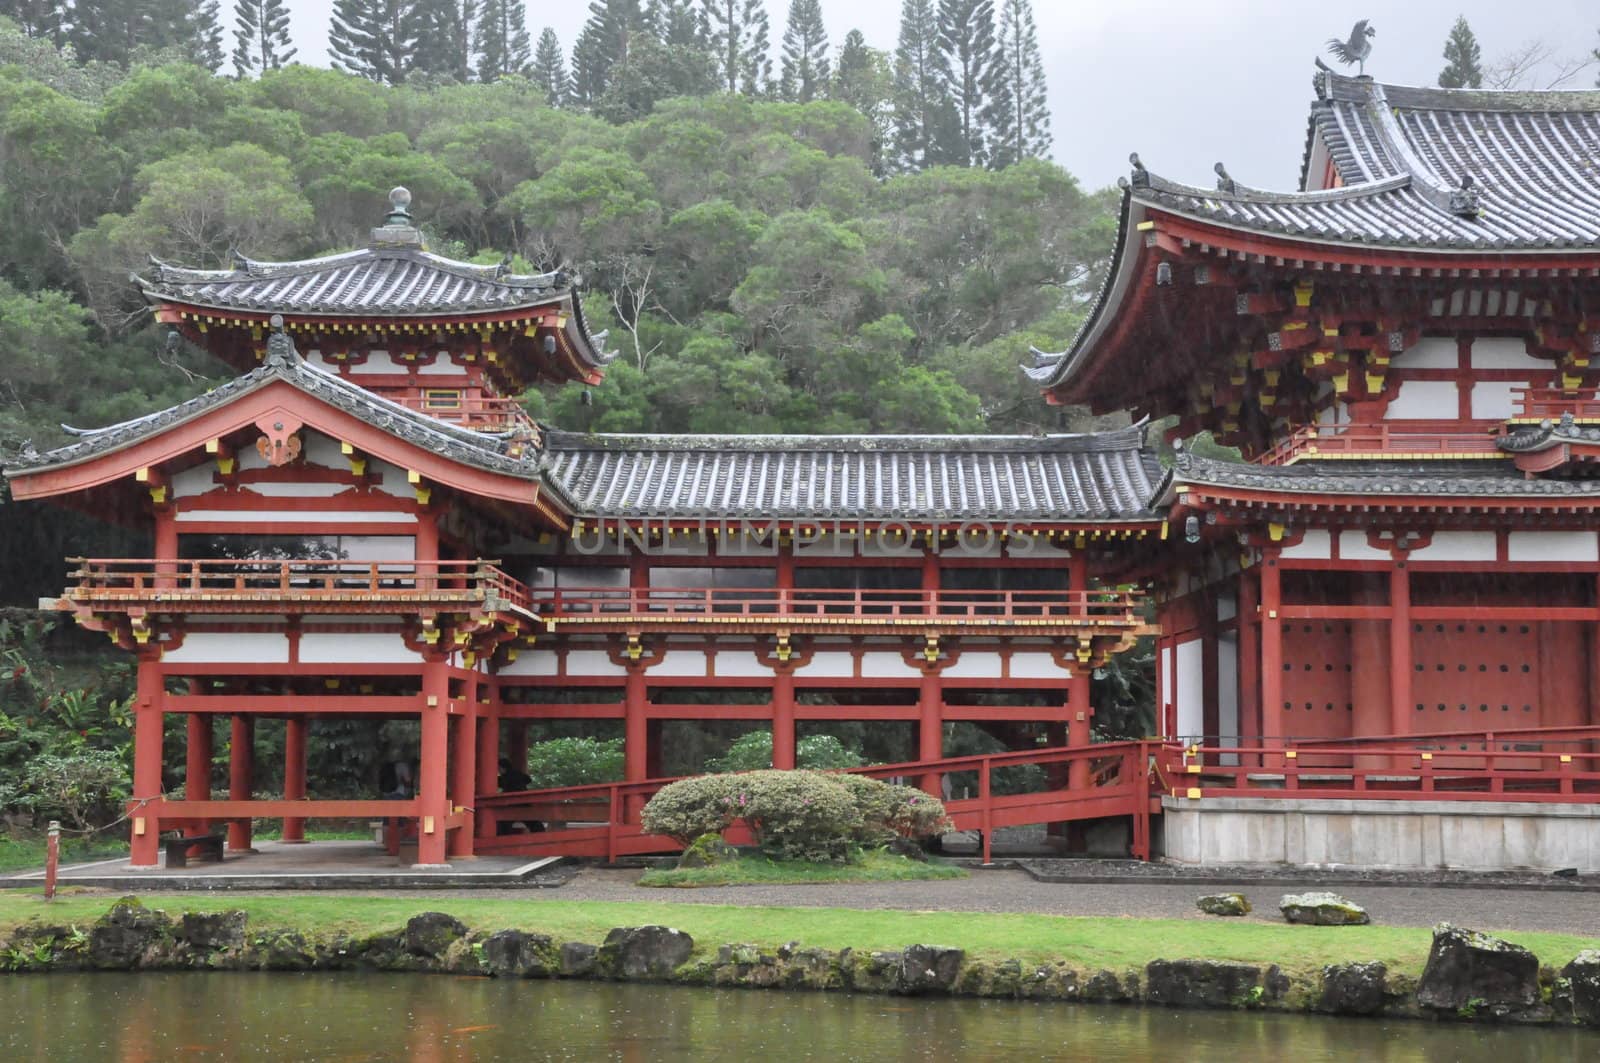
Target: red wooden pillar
166	546
241	778
1249	658
1594	662
635	732
1271	656
198	750
294	775
783	730
517	745
432	773
463	779
930	728
149	710
483	821
1079	686
1399	649
427	538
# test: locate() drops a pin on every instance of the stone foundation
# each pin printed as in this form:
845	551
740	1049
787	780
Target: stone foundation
1400	835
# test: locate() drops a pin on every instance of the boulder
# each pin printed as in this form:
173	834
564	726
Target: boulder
212	931
124	935
876	972
286	950
909	848
930	968
1223	904
1468	972
576	959
708	850
644	951
1583	983
1202	984
1353	988
1104	987
514	954
431	934
1322	909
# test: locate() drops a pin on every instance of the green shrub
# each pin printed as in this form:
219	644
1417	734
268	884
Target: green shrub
799	815
888	810
573	762
84	790
753	752
689	808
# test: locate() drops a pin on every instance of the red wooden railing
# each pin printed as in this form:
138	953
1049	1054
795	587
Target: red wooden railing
1397	439
1067	607
101	580
1541	403
1093	782
483	412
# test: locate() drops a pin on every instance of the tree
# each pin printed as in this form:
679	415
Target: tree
739	40
39	19
965	60
1021	115
444	39
864	79
602	44
549	71
1595	58
374	39
805	52
923	115
205	35
1461	55
502	40
676	22
114	30
1536	65
260	36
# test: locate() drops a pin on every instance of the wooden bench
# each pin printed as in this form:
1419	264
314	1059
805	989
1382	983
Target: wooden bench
208	846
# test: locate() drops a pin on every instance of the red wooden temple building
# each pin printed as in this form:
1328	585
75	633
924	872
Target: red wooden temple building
1404	563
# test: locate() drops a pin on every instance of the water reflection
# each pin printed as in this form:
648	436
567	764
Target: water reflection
369	1018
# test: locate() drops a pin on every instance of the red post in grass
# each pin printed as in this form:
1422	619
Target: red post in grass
52	859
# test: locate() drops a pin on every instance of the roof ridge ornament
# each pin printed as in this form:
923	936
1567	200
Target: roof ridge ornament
281	353
1355	50
1141	176
1224	182
398	229
1464	200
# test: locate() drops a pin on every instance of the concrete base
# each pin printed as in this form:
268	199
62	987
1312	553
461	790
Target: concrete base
1405	835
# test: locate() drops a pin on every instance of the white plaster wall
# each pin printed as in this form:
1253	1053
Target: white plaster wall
1316	543
1165	669
392	479
886	665
231	647
377	362
1424	400
443	365
1504	352
290	516
1227	606
975	666
1495	399
1035	666
592	662
195	480
322	451
1553	546
1431	352
1228	691
531	662
1353	547
741	663
681	662
1457	546
364	647
1190	685
828	665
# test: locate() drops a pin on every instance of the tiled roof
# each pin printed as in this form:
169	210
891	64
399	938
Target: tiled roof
1104	476
1376	479
480	449
390	281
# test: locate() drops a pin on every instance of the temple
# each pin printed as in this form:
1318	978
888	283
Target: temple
1393	594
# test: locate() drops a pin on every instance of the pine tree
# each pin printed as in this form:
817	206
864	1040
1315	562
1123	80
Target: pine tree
113	30
443	32
966	66
676	23
924	118
1461	56
805	52
260	36
602	44
550	69
855	67
739	35
501	40
374	39
1020	116
204	46
40	19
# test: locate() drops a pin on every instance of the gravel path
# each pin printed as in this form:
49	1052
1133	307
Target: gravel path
1014	891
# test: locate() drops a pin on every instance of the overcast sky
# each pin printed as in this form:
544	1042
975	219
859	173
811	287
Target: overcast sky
1185	83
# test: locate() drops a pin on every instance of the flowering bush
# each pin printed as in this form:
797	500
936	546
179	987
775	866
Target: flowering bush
888	810
689	808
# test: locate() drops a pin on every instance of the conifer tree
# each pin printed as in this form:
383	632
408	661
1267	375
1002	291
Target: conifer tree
204	46
374	39
1462	56
260	37
112	30
740	41
966	66
501	40
854	67
676	23
40	19
550	69
923	115
444	38
602	44
1020	115
805	52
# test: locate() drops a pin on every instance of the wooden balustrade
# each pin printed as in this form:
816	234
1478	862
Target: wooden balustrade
1539	404
1386	440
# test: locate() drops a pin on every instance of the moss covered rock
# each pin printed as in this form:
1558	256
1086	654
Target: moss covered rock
1322	909
1223	904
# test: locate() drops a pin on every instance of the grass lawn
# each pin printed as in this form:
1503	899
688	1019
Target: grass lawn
877	866
1082	942
25	854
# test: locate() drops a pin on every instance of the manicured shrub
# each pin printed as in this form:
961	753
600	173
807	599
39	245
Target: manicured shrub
689	808
800	815
888	811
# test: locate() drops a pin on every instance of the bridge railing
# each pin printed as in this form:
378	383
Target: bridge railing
1110	779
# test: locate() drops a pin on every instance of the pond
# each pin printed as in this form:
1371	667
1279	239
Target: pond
160	1018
